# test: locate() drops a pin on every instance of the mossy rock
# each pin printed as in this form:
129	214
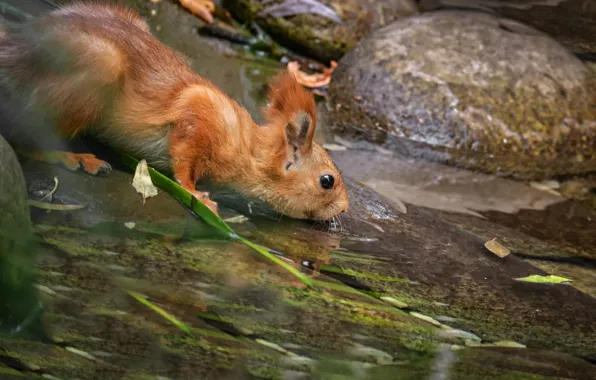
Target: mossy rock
15	224
321	37
572	23
470	89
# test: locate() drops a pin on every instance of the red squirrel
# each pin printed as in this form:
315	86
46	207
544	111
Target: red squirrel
97	69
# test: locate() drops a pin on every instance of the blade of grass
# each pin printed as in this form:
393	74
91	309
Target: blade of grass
182	195
204	212
265	252
139	297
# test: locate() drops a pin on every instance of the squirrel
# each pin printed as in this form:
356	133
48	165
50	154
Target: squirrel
97	69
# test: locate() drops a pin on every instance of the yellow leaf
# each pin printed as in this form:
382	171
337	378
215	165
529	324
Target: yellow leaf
142	181
496	248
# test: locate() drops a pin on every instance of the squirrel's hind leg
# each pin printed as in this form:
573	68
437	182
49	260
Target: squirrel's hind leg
72	161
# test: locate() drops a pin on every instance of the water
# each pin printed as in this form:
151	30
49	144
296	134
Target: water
411	246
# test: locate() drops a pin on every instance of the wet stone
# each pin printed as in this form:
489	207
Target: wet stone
572	23
315	34
469	89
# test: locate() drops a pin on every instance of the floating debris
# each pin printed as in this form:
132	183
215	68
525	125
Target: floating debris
550	279
397	303
426	318
130	225
502	343
506	343
142	181
276	347
84	354
237	219
496	248
53	206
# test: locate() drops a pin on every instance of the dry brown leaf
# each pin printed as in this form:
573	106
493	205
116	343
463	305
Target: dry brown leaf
496	248
312	80
201	8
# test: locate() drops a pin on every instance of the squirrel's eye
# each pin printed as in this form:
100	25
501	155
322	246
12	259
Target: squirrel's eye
327	181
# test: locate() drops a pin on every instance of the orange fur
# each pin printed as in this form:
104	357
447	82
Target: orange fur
96	68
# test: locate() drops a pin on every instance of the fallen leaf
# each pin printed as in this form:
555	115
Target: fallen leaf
54	207
312	80
295	7
236	219
548	186
201	8
142	181
550	279
496	248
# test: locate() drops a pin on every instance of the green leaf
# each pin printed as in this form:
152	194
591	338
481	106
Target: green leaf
544	279
208	216
139	297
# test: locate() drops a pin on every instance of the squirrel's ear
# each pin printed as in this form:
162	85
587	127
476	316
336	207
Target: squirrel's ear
300	131
296	105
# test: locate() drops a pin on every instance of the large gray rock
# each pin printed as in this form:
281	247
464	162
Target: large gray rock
19	307
470	89
571	22
15	223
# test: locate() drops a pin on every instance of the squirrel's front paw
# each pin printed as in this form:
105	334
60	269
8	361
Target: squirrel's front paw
204	197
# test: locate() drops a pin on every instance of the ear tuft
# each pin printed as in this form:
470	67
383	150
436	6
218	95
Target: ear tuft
295	105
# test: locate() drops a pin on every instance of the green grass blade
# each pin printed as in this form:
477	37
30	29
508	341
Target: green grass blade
181	194
265	252
204	212
139	297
